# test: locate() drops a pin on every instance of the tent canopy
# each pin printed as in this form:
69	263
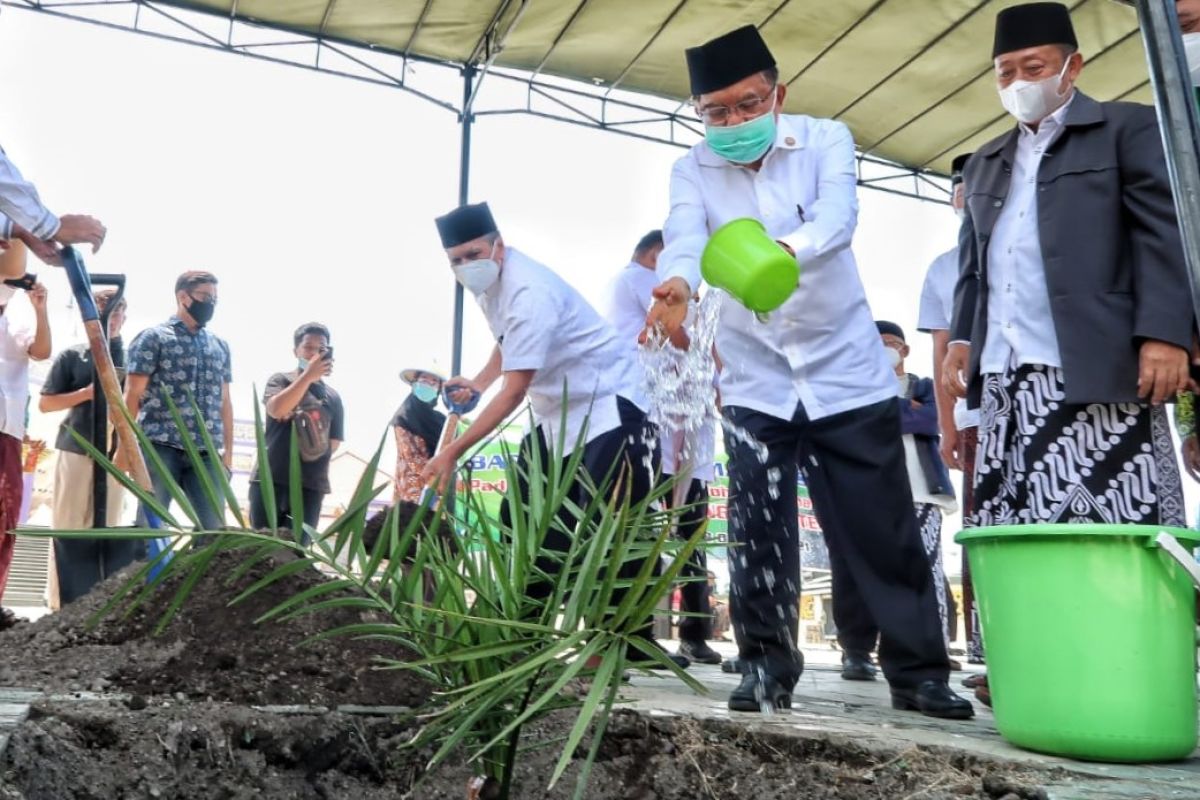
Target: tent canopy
912	78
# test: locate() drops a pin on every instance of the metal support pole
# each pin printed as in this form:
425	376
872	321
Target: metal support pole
466	118
1175	99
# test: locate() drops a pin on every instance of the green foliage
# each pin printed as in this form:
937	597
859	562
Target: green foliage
505	629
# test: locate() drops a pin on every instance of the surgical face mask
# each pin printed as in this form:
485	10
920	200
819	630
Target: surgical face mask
1033	101
1191	46
745	142
894	357
479	275
302	364
202	310
425	393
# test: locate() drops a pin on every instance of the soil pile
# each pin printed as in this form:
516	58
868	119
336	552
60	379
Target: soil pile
210	650
200	750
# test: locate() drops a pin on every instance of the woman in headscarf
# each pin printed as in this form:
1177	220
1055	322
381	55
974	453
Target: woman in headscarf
418	425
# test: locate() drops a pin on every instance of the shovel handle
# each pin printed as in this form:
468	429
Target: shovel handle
1171	546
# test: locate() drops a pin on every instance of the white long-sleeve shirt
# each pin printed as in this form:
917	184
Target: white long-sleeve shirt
935	312
1020	325
821	347
543	324
20	203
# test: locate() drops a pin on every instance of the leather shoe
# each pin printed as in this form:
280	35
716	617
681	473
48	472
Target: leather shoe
933	699
857	667
639	660
732	666
975	681
699	652
759	691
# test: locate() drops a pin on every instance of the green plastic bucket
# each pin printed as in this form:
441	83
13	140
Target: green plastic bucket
1090	637
743	260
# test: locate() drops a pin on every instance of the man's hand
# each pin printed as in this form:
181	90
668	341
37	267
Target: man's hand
669	309
438	474
951	455
122	460
47	252
318	368
954	369
1162	371
227	460
80	229
37	297
462	390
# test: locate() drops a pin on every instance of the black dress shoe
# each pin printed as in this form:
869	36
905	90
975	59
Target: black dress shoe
732	665
639	660
933	699
759	691
699	652
857	667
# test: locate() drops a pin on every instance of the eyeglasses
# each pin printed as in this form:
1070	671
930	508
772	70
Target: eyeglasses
748	108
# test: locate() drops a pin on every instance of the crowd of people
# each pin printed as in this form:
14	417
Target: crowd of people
1061	324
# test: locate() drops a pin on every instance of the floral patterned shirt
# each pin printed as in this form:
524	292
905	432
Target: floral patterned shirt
178	360
411	458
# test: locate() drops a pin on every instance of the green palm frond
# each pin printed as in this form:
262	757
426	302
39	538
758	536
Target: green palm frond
495	620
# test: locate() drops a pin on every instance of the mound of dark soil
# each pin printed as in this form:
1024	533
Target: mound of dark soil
202	750
210	650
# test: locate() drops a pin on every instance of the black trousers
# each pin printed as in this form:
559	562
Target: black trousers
694	592
854	468
311	512
80	564
633	446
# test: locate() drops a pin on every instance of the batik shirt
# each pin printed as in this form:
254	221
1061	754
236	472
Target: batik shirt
180	361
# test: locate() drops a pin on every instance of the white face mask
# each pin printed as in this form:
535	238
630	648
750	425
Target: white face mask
1191	46
1033	101
894	357
479	275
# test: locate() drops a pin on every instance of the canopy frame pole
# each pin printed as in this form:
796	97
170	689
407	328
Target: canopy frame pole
1179	122
466	119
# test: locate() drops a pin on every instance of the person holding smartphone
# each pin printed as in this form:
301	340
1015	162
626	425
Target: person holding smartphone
300	399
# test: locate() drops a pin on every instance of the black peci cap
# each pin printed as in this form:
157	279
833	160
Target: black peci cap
1033	25
464	224
727	59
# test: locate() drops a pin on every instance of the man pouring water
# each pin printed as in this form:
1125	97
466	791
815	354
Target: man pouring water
806	385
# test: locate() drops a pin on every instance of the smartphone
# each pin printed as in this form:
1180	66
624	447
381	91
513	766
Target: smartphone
327	353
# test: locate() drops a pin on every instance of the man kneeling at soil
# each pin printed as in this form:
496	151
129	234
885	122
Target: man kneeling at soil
555	349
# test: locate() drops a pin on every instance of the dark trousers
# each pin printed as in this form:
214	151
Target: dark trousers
856	630
80	564
854	467
694	591
624	453
179	467
310	498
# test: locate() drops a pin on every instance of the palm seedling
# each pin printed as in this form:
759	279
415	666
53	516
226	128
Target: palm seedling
506	630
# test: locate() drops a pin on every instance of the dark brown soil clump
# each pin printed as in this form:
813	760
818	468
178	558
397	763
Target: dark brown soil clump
210	650
191	751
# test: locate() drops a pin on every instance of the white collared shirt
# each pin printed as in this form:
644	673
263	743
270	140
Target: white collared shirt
542	324
821	347
1020	325
935	312
19	202
14	376
628	303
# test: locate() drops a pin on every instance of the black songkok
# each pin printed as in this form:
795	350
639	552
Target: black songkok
464	224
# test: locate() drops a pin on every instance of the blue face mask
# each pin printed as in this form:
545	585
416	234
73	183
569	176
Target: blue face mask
745	142
425	393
